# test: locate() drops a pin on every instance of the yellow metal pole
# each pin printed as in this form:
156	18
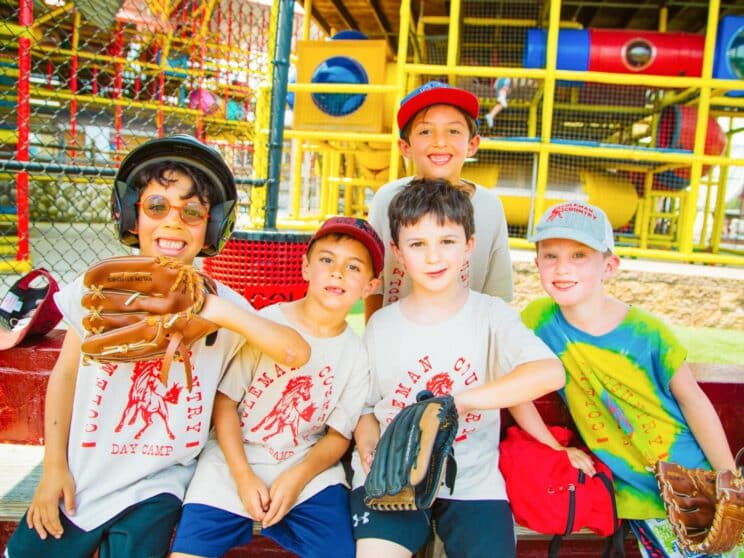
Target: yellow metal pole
400	81
543	161
719	212
663	18
644	209
708	183
453	40
689	210
298	154
347	159
308	9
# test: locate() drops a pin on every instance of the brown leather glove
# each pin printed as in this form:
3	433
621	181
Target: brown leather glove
141	308
705	508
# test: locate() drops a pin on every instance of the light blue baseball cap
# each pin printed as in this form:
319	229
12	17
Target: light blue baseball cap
577	221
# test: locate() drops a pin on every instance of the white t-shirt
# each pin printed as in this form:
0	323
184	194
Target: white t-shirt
284	412
484	340
490	269
132	438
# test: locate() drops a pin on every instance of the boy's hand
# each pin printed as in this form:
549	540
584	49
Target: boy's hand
581	460
366	436
43	513
254	495
284	492
366	455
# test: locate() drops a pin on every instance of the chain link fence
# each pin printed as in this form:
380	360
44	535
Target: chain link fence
81	85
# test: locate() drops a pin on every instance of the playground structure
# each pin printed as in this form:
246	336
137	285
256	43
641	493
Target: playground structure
641	122
597	122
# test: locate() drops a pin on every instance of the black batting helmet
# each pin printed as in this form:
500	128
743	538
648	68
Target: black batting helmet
180	148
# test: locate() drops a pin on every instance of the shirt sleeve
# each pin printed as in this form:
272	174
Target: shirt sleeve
671	354
345	416
374	394
68	301
239	373
499	281
377	217
511	343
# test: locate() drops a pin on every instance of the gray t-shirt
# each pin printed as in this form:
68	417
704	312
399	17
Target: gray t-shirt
484	340
490	269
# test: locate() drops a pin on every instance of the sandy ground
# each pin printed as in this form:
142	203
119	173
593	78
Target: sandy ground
683	294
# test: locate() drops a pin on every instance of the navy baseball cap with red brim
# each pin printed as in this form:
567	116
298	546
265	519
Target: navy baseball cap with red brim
28	310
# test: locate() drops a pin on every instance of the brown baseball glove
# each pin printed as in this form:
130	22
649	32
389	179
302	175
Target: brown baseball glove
141	308
705	508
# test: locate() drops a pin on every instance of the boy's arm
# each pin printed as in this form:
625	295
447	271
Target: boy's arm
702	418
366	436
281	343
287	487
253	492
56	480
525	382
530	420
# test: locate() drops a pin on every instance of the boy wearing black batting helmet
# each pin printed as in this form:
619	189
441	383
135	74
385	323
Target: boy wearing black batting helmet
120	447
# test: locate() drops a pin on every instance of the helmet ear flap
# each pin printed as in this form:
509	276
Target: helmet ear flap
124	213
220	225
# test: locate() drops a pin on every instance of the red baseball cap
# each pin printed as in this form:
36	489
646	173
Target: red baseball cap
436	93
358	229
27	310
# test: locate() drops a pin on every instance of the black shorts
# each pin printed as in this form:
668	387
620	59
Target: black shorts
468	528
140	531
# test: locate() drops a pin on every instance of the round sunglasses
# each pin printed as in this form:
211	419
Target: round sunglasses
157	207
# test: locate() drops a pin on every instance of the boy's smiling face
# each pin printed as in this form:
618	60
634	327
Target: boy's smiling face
438	143
572	273
339	272
433	254
170	236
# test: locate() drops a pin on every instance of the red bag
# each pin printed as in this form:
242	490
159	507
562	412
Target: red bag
547	494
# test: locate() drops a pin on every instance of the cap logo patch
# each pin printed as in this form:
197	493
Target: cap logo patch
558	211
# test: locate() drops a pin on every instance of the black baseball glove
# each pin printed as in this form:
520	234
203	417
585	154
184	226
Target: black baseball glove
413	455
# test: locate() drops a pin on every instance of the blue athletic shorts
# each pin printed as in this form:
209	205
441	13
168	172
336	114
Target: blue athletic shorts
467	527
319	527
140	531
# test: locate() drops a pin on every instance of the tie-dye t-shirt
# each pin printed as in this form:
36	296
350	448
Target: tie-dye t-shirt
617	390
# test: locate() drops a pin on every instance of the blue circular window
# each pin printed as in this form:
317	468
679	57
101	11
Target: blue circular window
339	69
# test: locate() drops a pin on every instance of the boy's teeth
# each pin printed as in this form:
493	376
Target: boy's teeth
171	244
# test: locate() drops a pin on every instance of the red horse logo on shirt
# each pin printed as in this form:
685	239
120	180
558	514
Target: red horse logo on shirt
439	385
286	412
148	398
